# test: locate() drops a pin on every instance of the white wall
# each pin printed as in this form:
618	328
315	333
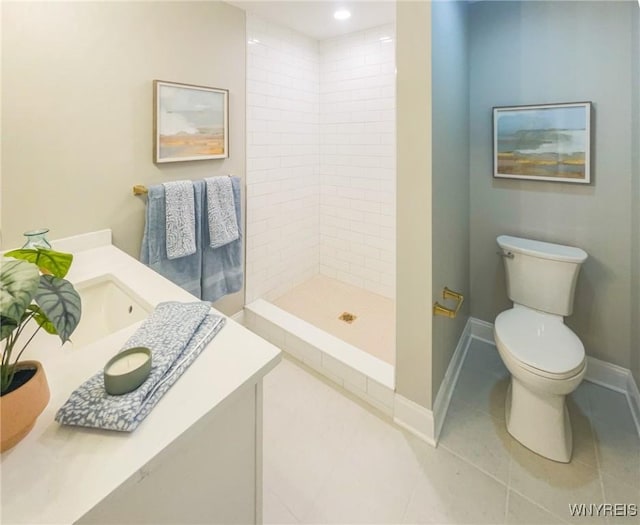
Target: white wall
321	159
282	159
357	159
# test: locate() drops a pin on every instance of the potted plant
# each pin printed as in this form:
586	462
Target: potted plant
34	296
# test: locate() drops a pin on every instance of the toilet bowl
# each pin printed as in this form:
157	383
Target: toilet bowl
546	361
545	358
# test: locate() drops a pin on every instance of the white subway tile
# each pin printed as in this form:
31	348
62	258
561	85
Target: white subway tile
346	373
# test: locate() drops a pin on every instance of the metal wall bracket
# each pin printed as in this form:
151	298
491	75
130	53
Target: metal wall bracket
451	313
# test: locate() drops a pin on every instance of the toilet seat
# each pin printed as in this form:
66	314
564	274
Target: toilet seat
540	343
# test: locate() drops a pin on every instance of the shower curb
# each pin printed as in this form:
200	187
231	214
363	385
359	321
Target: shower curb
365	376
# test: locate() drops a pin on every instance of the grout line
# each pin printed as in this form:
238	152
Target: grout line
477	467
409	500
539	505
591	418
506	507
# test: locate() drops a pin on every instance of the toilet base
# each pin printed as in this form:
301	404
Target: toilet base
539	421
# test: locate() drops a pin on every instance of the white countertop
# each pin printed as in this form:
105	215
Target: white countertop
57	474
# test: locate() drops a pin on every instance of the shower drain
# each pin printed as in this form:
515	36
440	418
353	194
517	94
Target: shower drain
347	317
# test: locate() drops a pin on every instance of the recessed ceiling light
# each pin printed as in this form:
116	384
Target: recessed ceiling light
385	39
341	14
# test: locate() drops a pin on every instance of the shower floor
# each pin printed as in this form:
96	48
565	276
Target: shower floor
322	300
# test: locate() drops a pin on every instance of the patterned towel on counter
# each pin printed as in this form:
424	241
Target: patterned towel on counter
221	212
180	219
176	333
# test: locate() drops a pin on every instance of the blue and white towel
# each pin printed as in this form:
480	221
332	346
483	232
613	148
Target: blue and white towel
222	268
180	218
221	212
176	333
185	271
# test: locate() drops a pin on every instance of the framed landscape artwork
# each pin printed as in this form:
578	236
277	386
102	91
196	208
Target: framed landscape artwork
549	142
190	122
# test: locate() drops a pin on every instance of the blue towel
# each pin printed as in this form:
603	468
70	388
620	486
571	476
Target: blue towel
222	271
180	218
185	271
221	211
176	333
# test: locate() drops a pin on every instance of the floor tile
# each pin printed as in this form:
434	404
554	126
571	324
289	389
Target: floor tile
275	511
584	447
450	490
482	390
580	397
618	452
479	438
329	459
485	356
554	485
382	449
622	496
359	495
521	511
610	407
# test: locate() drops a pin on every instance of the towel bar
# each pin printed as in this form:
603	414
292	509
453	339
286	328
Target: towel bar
140	189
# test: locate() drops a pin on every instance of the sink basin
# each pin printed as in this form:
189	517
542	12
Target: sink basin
108	305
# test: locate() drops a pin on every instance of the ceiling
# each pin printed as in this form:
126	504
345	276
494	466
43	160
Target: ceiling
315	18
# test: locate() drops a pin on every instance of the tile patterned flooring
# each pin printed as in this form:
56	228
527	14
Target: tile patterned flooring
321	300
329	459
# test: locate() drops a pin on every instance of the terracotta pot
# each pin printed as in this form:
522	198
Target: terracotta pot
20	409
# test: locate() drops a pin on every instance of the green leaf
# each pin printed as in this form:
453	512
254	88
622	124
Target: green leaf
60	303
18	283
6	327
49	261
42	319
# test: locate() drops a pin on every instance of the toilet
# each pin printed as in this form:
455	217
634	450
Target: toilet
545	358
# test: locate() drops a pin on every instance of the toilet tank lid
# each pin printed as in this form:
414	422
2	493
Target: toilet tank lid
544	250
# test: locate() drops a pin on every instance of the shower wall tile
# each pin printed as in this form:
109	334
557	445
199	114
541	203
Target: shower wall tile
357	159
283	190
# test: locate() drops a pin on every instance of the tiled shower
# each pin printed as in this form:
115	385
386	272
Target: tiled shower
321	170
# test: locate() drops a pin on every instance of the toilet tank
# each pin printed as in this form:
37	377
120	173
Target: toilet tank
541	275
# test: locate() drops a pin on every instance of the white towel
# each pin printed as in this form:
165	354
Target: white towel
221	211
180	219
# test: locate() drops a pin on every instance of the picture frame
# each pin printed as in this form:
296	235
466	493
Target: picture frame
190	122
546	142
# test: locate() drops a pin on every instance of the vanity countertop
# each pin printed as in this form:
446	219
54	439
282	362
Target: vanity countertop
57	474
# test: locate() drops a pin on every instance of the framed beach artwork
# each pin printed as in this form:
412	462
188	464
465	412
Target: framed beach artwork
190	122
549	142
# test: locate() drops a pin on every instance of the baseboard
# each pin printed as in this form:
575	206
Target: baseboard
481	330
607	375
415	418
600	372
450	379
238	317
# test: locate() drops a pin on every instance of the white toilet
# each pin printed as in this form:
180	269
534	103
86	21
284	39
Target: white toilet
545	358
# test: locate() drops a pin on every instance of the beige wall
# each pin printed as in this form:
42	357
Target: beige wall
77	109
450	107
635	218
413	284
584	53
